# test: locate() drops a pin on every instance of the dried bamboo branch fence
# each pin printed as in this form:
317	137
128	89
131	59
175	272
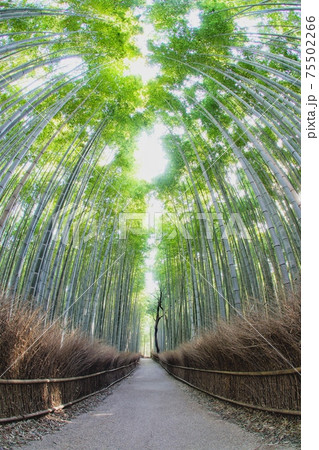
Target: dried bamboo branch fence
24	399
276	391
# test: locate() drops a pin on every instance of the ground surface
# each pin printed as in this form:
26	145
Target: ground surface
148	411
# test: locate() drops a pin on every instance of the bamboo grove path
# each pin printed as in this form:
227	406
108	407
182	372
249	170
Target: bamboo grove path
149	410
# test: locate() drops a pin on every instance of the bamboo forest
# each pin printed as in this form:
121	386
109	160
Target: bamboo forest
78	236
150	219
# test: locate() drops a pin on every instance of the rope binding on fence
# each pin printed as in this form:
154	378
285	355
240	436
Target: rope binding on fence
292	371
42	381
251	374
62	380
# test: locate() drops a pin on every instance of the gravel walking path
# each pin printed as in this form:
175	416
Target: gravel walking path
150	411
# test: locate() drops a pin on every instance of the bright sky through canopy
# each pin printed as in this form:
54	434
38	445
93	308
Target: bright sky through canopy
193	18
140	67
150	157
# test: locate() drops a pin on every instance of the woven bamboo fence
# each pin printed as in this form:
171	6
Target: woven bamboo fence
23	399
276	391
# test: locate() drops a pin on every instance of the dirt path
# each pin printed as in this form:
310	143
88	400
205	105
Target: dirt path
149	411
